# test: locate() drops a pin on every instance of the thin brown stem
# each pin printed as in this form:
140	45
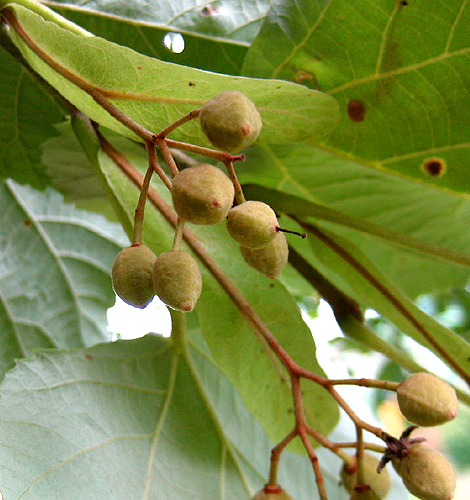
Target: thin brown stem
360	478
366	382
276	455
302	430
367	446
210	153
140	209
153	160
326	443
178	235
377	431
161	143
184	119
239	196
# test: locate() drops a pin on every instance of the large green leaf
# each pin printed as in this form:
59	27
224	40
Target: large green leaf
154	93
241	354
405	62
54	284
27	116
141	420
375	201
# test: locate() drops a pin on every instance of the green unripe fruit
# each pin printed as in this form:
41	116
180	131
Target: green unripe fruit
230	121
132	275
426	473
202	194
177	280
269	260
253	224
426	400
272	495
380	483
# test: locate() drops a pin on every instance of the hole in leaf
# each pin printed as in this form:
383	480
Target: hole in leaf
174	42
435	167
356	111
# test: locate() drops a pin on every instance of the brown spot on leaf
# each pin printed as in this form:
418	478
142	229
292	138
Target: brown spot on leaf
301	76
139	67
404	3
356	111
191	84
28	222
208	11
435	167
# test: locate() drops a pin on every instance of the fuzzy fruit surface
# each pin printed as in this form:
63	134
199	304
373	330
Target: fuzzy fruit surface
426	473
132	275
426	400
202	194
269	260
177	280
278	495
380	484
230	121
253	224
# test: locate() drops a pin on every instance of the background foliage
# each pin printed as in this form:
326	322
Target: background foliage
373	167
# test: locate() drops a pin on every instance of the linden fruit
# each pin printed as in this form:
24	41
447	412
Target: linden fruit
230	121
269	260
132	275
426	400
253	224
380	483
273	495
202	194
426	473
177	280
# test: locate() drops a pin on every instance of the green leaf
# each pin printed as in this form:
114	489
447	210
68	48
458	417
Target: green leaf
154	93
238	350
54	284
436	217
347	268
141	420
406	65
69	167
27	116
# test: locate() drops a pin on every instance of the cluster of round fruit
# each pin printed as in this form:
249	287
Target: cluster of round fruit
203	194
425	400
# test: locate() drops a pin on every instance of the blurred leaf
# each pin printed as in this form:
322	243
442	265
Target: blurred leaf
141	420
233	20
201	50
155	93
398	71
54	273
27	116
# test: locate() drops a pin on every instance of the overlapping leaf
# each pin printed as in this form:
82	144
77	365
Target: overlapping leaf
136	419
237	20
154	93
54	273
398	67
27	117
